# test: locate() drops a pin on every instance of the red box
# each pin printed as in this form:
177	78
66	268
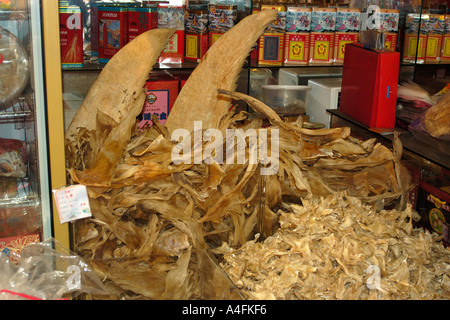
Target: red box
195	46
340	40
296	48
213	36
113	26
174	51
141	19
369	85
71	36
162	91
271	46
321	47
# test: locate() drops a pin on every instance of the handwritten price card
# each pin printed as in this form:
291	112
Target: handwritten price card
72	203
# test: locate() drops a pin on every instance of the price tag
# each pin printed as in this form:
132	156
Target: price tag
72	203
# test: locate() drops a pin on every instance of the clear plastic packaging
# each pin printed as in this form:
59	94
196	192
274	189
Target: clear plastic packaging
287	100
47	271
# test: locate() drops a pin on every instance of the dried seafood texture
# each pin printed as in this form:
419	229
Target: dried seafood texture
154	211
219	68
335	247
108	113
437	118
155	218
324	161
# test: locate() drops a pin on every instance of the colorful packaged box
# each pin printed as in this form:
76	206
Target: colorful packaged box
297	36
279	25
348	24
162	91
321	46
435	27
141	19
445	51
415	42
113	26
389	23
270	49
196	34
71	36
195	46
172	17
221	19
433	204
196	21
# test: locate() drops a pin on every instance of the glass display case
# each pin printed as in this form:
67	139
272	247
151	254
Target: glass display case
25	197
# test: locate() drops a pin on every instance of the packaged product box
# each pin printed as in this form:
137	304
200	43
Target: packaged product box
162	91
279	25
141	19
113	26
270	49
195	46
221	19
196	34
435	28
213	37
348	24
71	36
196	21
433	204
445	51
389	24
414	41
170	16
321	46
297	36
369	85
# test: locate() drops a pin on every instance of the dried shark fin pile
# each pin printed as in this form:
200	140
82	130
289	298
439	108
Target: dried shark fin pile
335	247
153	219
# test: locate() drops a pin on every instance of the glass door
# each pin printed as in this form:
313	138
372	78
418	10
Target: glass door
25	200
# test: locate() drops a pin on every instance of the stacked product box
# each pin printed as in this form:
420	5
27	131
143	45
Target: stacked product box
221	19
271	43
433	204
113	26
172	17
348	24
322	35
435	27
162	91
296	41
71	36
196	34
389	24
140	19
414	41
445	51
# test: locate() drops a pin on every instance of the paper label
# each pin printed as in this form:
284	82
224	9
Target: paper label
72	203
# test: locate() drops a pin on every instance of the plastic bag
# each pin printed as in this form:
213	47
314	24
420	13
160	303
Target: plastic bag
47	271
